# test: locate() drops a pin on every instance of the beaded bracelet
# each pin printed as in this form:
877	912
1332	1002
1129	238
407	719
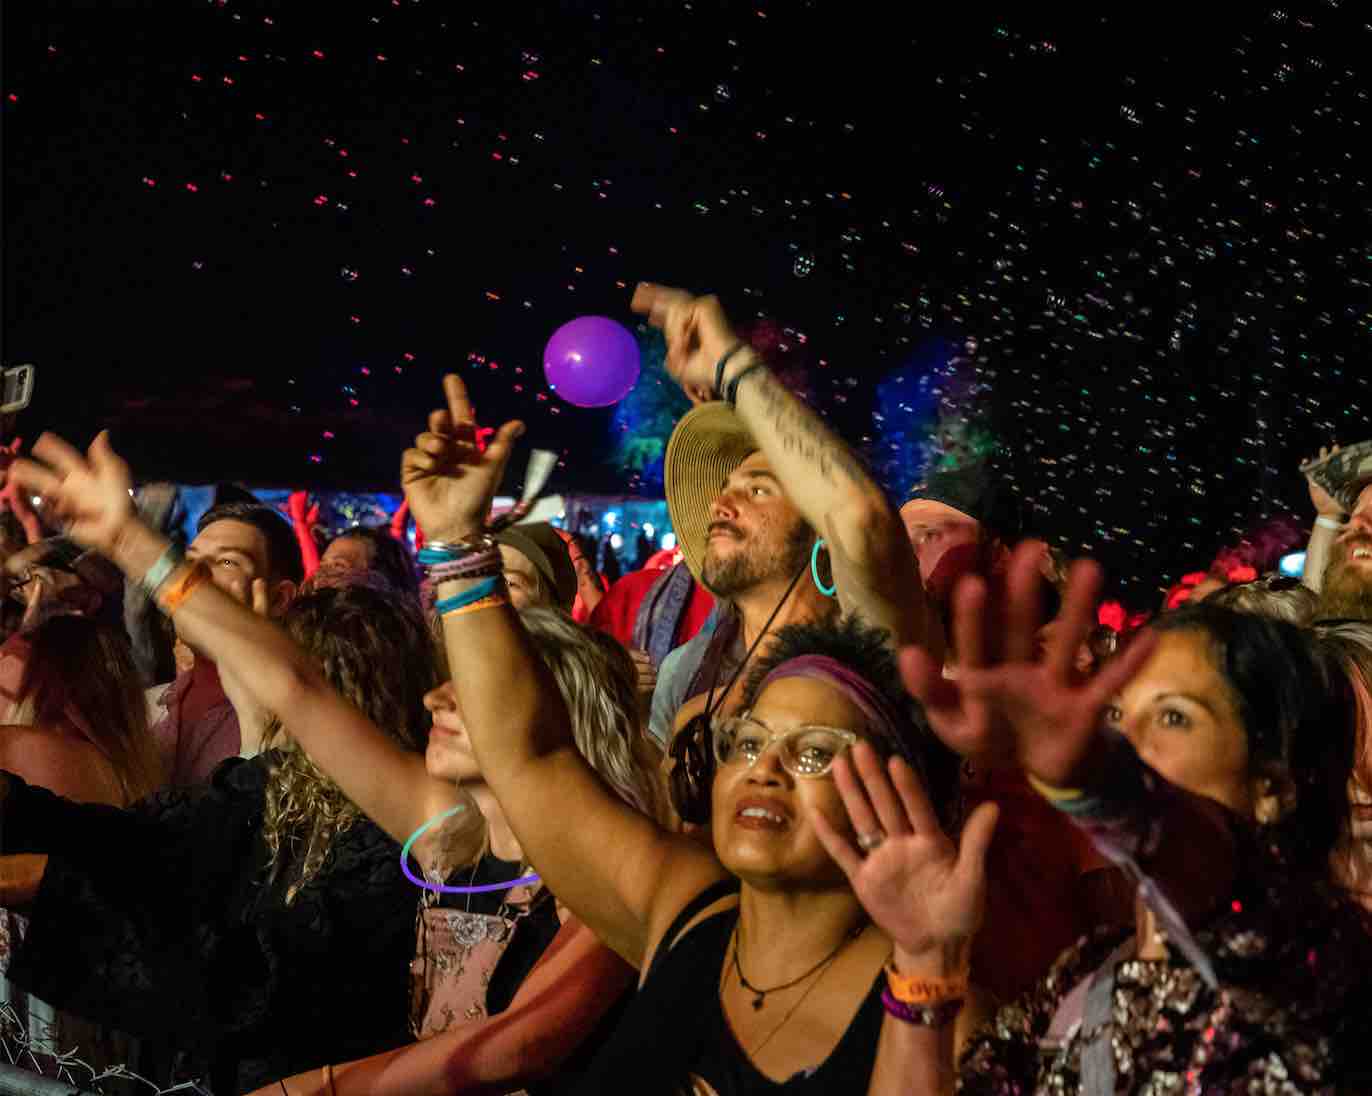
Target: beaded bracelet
483	589
937	1015
447	572
912	989
488	561
181	587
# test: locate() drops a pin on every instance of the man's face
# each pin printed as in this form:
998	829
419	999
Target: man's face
236	553
1347	587
934	529
755	533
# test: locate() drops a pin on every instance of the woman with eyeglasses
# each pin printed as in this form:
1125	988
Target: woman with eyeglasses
759	967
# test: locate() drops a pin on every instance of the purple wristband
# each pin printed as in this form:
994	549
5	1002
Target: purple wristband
936	1015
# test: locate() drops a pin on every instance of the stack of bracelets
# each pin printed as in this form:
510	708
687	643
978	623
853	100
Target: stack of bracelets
931	1002
473	557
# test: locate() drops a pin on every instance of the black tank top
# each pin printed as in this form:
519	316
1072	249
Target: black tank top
676	1028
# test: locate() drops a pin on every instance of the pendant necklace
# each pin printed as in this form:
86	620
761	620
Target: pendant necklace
760	994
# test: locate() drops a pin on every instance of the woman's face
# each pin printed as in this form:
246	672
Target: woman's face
449	752
774	841
1180	714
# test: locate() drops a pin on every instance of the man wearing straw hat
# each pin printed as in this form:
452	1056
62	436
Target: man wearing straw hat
753	481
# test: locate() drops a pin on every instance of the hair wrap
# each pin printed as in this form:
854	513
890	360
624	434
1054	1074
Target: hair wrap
881	718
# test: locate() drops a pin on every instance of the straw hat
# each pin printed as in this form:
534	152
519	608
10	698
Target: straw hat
708	443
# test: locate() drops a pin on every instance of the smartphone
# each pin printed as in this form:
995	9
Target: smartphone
18	389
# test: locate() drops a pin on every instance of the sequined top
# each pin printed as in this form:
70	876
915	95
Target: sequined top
1293	1013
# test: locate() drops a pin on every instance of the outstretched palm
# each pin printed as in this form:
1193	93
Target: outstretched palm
1051	714
449	480
926	893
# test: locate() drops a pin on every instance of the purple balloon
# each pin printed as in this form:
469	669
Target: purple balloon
591	361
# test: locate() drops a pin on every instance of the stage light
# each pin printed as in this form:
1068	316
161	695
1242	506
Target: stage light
1293	564
668	541
616	541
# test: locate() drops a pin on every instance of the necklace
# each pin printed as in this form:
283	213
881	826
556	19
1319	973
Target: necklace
760	997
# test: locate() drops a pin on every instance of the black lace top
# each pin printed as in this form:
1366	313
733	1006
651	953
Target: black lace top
159	920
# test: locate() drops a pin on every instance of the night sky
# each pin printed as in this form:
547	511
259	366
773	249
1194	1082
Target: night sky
250	238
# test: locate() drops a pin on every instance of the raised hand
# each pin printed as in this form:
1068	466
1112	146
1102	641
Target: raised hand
1325	504
926	893
1047	713
449	480
89	495
697	333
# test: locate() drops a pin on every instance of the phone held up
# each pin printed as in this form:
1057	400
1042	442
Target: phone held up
18	389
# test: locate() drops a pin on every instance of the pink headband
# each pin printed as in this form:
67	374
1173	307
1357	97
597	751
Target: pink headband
876	709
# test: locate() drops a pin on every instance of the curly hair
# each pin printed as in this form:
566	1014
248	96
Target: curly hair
859	646
598	682
379	654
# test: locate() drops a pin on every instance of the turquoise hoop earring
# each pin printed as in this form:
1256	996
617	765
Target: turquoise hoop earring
827	591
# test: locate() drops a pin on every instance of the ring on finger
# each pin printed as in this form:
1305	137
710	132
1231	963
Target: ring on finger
870	840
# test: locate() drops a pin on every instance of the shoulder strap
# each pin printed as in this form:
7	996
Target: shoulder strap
706	898
1098	1053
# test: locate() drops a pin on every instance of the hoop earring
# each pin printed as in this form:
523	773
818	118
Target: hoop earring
827	591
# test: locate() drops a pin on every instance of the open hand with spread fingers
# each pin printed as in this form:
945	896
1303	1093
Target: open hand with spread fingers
924	891
1051	714
88	494
449	480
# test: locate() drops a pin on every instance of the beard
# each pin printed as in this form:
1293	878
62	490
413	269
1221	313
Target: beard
1346	593
755	563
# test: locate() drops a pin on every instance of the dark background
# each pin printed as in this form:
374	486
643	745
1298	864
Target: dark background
1154	223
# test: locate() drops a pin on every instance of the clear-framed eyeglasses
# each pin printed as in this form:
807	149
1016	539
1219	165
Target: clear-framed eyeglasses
806	751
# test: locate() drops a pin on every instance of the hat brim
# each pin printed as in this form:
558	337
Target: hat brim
707	445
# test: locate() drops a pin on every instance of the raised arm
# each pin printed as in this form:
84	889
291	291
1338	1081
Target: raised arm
1328	521
1181	840
388	783
821	475
615	869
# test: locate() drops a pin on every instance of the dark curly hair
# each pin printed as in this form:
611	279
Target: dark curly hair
860	647
377	651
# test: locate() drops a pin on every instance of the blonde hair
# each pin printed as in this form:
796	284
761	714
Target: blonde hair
599	685
377	652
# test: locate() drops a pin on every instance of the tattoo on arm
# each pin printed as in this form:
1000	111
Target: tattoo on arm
800	431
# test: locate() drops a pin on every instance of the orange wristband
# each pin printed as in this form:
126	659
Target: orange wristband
912	989
178	589
490	601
